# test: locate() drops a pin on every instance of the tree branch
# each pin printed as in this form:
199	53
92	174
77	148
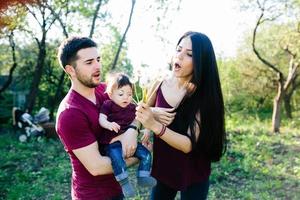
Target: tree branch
124	36
94	18
14	66
263	60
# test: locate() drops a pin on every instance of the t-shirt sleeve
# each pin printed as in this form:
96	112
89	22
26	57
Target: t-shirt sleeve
106	108
74	129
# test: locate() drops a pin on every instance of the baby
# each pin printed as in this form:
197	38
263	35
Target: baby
116	116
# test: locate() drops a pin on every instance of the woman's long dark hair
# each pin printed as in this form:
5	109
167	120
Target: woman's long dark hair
207	98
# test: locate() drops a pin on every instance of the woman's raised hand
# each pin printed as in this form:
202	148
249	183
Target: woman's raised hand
145	116
164	115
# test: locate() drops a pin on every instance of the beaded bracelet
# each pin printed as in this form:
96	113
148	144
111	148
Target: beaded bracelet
163	130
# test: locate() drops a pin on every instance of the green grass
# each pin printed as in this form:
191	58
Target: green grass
257	165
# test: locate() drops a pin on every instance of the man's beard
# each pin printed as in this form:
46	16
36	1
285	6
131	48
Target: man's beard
88	82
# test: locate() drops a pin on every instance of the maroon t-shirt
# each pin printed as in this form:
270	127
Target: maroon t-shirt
172	167
118	114
78	126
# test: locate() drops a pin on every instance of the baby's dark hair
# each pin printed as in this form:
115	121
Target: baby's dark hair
116	81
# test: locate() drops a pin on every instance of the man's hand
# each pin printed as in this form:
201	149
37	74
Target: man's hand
129	142
163	115
146	139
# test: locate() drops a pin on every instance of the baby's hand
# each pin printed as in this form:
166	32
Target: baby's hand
113	126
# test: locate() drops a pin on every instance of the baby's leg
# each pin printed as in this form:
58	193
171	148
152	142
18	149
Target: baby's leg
143	174
114	151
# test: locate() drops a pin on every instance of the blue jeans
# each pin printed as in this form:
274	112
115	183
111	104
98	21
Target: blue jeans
120	197
114	151
197	191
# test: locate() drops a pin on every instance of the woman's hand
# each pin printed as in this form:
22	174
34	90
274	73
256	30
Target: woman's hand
145	116
164	115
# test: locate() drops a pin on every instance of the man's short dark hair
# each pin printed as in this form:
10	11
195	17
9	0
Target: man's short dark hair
67	52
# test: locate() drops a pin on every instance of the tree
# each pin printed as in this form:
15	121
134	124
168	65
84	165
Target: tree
10	21
14	62
113	66
108	53
45	20
269	12
61	10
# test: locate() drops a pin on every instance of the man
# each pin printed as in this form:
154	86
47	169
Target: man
78	126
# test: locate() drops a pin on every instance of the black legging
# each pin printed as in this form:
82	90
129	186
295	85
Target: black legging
197	191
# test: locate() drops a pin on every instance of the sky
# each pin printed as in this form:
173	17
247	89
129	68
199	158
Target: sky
220	20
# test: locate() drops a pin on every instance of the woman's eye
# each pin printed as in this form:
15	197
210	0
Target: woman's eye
190	55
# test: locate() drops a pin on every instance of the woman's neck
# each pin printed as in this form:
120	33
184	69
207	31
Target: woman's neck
182	82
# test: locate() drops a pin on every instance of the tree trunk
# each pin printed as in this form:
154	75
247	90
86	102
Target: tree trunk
57	94
94	18
113	66
288	106
14	66
37	74
276	117
289	94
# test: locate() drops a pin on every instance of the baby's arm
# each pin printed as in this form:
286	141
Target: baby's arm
112	126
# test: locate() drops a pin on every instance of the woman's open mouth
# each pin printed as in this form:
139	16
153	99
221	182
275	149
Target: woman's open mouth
177	66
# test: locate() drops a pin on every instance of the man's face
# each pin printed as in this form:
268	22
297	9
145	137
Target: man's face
87	70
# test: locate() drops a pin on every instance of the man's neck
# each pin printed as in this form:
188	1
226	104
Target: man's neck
88	93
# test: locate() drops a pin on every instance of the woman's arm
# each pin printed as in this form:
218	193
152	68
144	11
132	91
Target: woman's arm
174	139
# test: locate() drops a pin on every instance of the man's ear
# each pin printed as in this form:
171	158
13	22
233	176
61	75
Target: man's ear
69	69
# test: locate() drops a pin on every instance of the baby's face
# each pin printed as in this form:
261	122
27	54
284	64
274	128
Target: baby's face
122	96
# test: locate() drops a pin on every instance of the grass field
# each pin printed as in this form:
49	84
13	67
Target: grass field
257	165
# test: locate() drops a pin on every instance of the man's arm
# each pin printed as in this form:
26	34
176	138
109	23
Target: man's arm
94	162
128	140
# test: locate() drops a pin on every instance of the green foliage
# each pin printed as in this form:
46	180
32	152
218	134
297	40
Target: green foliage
244	86
108	51
85	7
278	35
258	164
33	170
5	58
6	101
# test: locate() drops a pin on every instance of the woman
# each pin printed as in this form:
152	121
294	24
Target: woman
183	151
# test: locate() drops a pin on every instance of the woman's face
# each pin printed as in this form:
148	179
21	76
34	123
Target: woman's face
183	60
